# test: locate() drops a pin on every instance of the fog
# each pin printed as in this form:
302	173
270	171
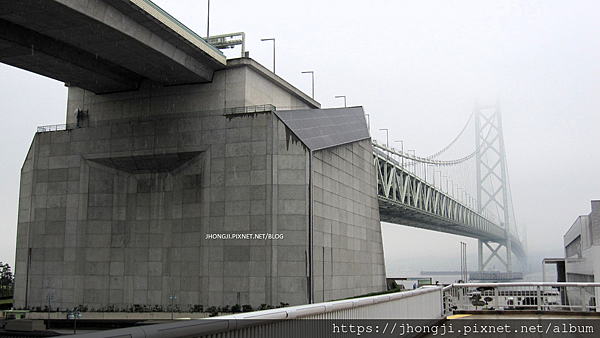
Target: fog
417	67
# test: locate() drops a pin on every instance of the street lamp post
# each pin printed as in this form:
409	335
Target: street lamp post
271	39
446	182
342	96
464	272
414	164
208	21
172	296
427	166
313	81
402	152
74	315
49	297
387	139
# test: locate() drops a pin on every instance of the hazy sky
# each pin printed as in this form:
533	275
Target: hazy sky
417	67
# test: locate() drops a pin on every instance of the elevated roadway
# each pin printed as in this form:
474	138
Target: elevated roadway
108	46
104	46
405	198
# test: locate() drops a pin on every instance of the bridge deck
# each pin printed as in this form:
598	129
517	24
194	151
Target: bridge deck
103	46
407	199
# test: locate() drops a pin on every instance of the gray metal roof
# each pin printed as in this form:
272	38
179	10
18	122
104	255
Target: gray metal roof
324	128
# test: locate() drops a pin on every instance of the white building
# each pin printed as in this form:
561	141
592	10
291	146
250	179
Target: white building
582	253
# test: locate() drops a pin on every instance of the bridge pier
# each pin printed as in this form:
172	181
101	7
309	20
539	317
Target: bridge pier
202	191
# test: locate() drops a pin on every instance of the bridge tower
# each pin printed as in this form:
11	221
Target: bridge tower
492	180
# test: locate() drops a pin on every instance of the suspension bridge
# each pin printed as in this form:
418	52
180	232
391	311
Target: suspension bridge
167	142
464	194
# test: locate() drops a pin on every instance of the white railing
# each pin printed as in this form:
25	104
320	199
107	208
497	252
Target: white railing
56	127
226	111
521	296
428	303
423	303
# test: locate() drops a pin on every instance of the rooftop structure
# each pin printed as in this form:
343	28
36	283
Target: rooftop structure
582	258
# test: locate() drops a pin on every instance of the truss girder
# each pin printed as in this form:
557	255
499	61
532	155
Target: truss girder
406	199
400	188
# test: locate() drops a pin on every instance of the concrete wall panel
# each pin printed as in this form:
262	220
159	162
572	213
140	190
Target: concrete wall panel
106	222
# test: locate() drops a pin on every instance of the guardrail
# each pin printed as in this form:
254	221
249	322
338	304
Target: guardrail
423	303
250	109
227	111
521	296
56	127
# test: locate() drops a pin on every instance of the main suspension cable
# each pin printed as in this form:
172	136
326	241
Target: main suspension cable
453	141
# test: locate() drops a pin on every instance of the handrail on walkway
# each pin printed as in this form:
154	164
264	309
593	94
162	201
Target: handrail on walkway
539	296
392	305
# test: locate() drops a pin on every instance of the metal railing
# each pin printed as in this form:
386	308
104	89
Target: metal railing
174	24
140	119
423	303
428	303
521	296
56	127
250	109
